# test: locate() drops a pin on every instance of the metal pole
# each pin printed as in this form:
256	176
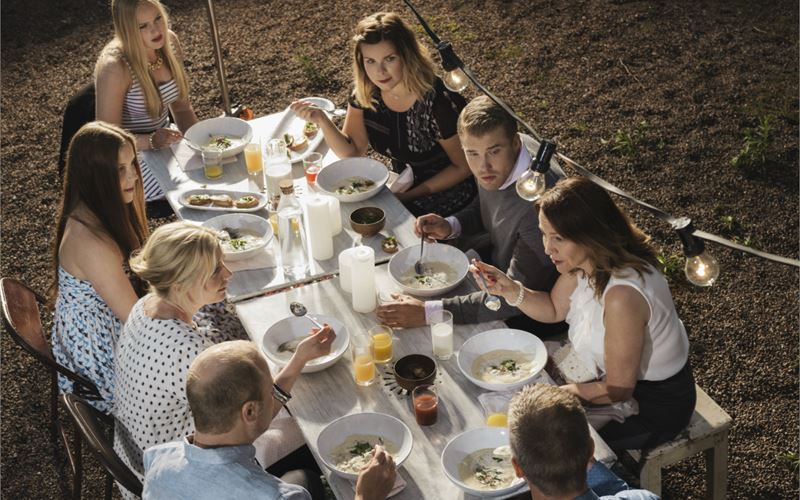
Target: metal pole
226	101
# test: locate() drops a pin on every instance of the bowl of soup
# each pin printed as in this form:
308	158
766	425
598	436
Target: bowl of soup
502	360
444	267
353	179
367	221
225	134
241	236
478	461
345	444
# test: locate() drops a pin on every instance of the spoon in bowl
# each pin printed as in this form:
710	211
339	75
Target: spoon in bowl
492	302
418	268
300	311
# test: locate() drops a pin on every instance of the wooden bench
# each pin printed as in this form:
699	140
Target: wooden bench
707	432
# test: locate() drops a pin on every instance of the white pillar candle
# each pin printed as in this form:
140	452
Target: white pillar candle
319	228
336	215
363	279
346	269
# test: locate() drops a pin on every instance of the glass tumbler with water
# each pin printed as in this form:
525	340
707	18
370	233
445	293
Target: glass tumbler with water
277	169
291	233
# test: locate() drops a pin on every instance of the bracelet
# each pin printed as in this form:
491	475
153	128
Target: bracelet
520	296
150	140
280	394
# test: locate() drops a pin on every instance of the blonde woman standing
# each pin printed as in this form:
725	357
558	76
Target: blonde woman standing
403	111
140	79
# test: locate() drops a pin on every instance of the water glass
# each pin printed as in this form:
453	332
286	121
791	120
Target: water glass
363	360
312	164
212	163
381	337
442	334
426	404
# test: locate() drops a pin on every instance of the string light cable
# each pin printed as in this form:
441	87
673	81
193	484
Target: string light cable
701	267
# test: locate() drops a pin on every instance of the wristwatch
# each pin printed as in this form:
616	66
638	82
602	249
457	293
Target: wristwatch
281	395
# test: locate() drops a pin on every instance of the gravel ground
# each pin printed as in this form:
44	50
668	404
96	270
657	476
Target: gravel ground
654	96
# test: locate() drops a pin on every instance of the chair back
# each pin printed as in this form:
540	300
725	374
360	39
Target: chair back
93	425
23	322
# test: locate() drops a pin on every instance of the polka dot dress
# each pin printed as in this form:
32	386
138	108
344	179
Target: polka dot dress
152	359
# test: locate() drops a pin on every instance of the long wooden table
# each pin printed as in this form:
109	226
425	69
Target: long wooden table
319	398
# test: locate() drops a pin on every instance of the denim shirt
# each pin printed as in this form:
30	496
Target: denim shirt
605	485
181	470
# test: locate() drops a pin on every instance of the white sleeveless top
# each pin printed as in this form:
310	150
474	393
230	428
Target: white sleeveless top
666	347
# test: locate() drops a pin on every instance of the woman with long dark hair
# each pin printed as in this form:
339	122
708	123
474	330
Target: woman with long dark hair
100	223
622	320
403	110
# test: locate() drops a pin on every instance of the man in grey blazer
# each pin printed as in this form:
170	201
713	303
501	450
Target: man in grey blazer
497	158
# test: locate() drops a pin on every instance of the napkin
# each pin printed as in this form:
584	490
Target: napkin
281	439
263	259
400	183
399	484
189	159
598	416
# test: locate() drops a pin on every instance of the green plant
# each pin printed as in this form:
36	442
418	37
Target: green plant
756	143
791	459
310	71
627	143
671	265
728	222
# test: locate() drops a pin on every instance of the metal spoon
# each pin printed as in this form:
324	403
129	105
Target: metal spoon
492	302
300	311
191	143
418	265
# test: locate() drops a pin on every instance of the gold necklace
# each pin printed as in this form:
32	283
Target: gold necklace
155	66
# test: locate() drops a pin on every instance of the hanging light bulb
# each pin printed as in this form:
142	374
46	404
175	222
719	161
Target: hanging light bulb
531	184
456	80
701	268
454	77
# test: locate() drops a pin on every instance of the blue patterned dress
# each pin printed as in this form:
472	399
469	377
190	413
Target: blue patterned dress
85	331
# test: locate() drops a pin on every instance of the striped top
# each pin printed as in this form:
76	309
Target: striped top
134	112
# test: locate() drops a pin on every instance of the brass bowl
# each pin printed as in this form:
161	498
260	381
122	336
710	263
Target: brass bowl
367	221
414	370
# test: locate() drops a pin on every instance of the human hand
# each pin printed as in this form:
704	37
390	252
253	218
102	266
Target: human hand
404	311
434	226
308	112
317	344
496	281
164	137
376	480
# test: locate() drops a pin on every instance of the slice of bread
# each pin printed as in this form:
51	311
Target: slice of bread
222	200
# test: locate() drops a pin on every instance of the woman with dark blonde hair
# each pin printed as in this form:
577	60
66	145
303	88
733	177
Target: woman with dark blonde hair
100	223
403	110
622	321
140	78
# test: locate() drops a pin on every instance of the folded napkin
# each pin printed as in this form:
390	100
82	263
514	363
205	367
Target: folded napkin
400	183
263	259
282	438
399	484
598	416
189	159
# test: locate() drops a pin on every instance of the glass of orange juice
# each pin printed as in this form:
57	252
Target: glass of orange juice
212	163
381	336
253	158
363	360
495	407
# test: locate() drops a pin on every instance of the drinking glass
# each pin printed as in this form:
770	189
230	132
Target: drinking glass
253	158
495	407
312	164
381	336
442	334
426	404
363	360
212	163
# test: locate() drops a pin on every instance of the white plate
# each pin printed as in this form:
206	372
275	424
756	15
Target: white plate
466	443
292	124
246	222
294	327
403	261
502	338
235	195
332	176
378	424
200	132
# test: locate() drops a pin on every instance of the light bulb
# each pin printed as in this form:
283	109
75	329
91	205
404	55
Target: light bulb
531	185
702	270
456	80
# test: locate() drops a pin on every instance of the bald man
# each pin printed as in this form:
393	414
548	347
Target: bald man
233	400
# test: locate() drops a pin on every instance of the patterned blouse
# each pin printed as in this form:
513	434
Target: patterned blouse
410	138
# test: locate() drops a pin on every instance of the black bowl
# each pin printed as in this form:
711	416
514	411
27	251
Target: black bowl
414	370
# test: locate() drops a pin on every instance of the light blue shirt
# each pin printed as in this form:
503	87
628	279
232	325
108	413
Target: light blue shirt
605	485
181	470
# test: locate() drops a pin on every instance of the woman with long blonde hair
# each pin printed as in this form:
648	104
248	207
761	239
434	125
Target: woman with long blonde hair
100	223
140	79
403	111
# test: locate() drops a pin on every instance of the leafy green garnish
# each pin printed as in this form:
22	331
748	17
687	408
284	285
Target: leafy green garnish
360	448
